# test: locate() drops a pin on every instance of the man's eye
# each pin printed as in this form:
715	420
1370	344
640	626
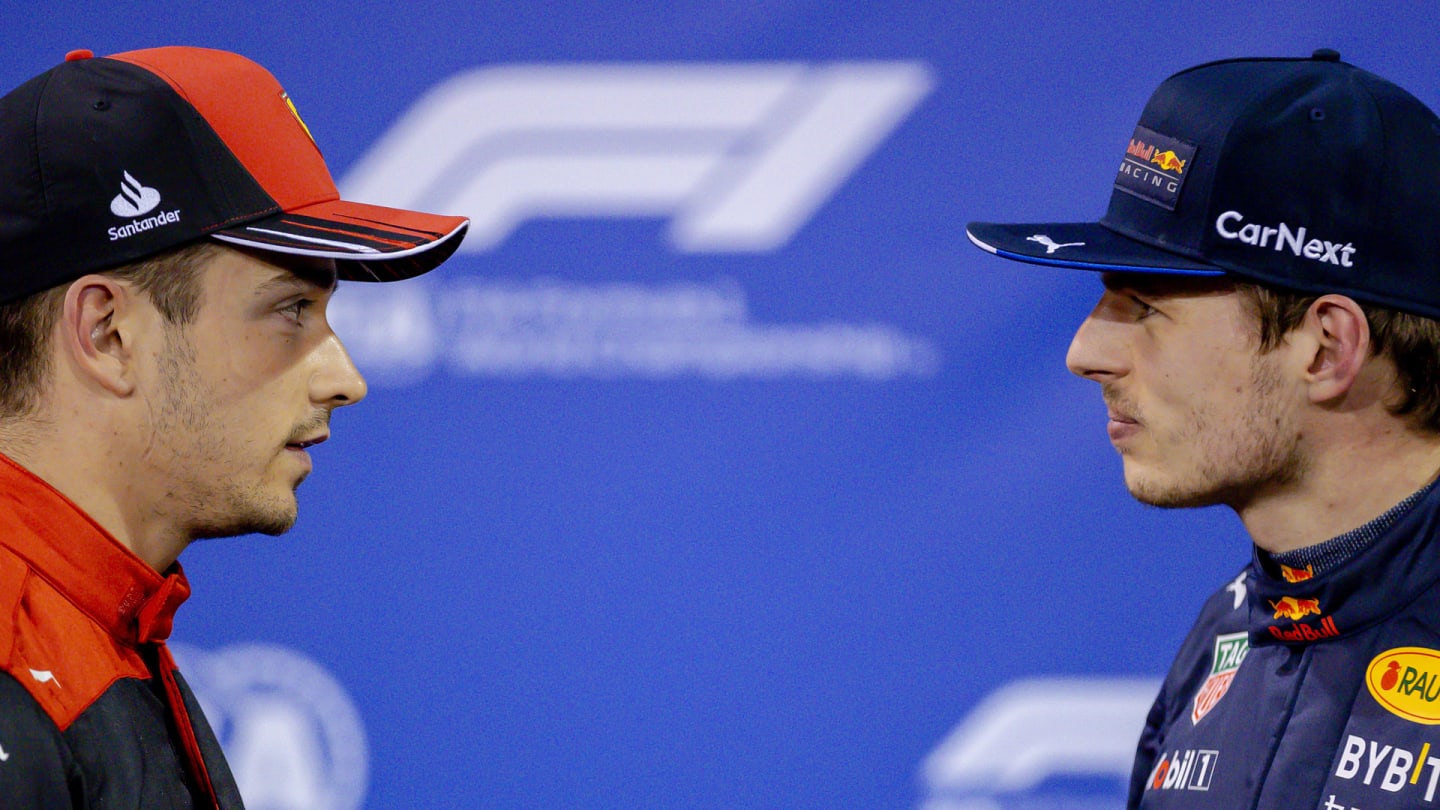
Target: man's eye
1142	309
294	310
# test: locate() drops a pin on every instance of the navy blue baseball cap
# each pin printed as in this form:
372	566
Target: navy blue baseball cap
1310	175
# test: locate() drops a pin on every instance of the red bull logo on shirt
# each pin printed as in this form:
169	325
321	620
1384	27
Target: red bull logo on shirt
1295	609
1325	628
1293	575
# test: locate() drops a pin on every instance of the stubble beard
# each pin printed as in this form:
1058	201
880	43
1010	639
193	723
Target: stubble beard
1240	456
207	499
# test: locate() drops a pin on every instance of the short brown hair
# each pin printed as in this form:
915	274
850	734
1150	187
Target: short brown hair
1411	342
170	279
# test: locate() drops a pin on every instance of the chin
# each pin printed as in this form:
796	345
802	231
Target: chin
280	518
1168	494
272	515
1153	490
275	525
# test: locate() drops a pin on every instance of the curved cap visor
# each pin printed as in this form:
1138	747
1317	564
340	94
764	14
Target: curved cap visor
1083	245
368	242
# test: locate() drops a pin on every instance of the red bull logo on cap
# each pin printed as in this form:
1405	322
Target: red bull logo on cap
1169	161
1140	149
1153	168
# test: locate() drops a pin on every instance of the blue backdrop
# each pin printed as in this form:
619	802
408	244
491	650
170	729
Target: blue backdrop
719	470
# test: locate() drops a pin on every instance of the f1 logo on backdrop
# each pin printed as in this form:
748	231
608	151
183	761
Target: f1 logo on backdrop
738	155
1041	742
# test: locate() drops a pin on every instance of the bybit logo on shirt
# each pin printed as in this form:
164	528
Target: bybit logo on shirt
134	200
1284	238
1397	768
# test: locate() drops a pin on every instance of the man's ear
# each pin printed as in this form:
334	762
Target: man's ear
95	332
1336	338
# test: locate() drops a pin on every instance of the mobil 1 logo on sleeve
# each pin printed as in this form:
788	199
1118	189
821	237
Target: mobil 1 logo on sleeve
1184	769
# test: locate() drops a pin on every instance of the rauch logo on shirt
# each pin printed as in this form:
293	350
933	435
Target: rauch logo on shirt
1406	681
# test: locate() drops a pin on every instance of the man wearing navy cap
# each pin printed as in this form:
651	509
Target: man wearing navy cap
1267	340
170	238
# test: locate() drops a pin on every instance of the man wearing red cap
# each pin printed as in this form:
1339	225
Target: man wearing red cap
170	238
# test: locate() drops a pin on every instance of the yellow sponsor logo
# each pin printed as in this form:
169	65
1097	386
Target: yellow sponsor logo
296	113
1406	681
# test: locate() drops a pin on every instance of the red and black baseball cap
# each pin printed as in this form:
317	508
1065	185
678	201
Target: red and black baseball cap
1310	175
105	161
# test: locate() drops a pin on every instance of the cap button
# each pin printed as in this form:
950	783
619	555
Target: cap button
1326	55
77	55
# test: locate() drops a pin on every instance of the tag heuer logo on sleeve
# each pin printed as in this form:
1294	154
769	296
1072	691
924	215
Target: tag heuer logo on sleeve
1230	652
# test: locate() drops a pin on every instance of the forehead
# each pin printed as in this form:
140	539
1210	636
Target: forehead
263	272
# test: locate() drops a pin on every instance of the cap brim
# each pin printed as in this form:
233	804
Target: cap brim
368	242
1082	245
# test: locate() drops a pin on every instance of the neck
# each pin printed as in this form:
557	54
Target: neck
1342	489
98	482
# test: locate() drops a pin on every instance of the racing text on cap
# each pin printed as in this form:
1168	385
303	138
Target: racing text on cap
1154	167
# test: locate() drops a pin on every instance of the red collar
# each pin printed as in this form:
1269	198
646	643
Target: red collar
62	544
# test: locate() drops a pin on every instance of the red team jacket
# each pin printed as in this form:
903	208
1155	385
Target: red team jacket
92	711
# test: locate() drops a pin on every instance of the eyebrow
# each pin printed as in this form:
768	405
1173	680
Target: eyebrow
1165	283
301	276
1115	281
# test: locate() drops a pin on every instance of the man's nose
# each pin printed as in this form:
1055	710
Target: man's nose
1097	350
336	380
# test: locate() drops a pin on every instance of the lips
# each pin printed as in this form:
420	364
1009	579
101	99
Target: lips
307	443
1121	427
1123	422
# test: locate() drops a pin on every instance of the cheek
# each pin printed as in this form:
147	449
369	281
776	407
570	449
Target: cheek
258	374
240	407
